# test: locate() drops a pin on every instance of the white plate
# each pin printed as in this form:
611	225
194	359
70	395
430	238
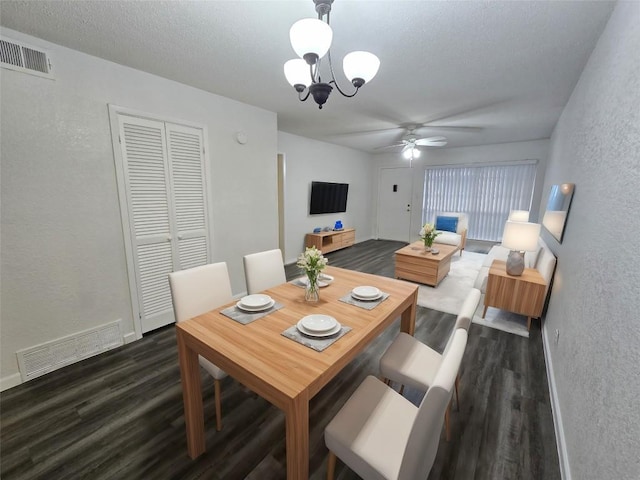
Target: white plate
257	309
255	301
309	333
322	282
366	299
366	292
318	323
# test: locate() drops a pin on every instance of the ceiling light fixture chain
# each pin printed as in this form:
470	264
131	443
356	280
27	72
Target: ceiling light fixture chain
311	40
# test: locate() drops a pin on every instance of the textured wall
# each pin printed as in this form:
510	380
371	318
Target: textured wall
63	262
595	302
308	160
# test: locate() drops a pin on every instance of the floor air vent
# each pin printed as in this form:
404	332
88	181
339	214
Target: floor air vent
24	58
45	358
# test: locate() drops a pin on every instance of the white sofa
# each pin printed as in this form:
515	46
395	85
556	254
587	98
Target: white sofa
542	260
457	238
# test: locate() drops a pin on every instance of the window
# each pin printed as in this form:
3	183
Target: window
486	193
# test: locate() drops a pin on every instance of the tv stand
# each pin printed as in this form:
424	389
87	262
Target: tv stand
333	240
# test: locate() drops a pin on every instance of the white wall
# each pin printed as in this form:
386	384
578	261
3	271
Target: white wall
63	262
595	301
308	160
484	154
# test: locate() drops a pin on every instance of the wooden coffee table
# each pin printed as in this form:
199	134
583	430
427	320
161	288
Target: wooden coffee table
415	264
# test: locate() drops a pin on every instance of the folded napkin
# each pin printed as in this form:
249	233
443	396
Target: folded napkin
366	304
316	343
234	313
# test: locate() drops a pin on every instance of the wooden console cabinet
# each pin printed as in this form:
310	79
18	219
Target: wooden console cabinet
523	294
329	241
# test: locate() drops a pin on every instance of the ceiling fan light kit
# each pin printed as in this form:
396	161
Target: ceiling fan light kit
311	40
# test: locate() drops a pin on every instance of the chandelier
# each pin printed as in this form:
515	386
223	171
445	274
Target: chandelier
311	40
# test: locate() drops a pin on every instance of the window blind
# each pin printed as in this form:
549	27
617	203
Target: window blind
486	193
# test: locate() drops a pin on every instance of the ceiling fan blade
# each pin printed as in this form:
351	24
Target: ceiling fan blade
452	128
396	145
432	142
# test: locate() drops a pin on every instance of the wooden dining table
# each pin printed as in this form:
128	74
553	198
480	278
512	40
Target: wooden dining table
283	371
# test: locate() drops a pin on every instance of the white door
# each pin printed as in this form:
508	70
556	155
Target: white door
186	161
394	204
164	212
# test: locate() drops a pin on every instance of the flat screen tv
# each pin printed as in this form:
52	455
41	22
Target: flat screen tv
328	197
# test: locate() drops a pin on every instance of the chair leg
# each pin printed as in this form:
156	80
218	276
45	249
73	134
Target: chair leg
216	389
401	389
447	416
457	397
331	465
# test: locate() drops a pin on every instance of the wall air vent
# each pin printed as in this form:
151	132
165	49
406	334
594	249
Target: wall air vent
25	58
50	356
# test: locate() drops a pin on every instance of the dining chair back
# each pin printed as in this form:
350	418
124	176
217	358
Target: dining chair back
422	444
195	291
264	270
465	317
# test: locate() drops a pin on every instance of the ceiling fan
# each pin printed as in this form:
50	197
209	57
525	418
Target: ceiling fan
411	141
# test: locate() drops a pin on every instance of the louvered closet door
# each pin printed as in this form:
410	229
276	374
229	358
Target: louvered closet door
186	160
146	172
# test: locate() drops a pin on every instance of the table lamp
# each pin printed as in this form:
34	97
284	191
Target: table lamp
519	237
519	216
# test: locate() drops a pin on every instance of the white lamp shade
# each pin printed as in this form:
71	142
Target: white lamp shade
362	65
310	35
297	72
521	236
519	216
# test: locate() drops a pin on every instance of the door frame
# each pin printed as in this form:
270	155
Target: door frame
114	111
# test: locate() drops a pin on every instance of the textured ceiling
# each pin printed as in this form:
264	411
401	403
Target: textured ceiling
476	72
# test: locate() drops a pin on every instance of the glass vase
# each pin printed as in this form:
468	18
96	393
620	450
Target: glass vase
427	245
311	291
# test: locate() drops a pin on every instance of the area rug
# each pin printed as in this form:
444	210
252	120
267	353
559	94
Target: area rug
453	289
501	320
449	295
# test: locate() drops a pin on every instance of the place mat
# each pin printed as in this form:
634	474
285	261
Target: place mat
366	304
318	344
298	282
245	318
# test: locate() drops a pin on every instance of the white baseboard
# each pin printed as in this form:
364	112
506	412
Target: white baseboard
10	381
130	337
563	456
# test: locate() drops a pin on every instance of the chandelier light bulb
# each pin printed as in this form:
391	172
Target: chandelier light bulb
311	39
297	72
360	66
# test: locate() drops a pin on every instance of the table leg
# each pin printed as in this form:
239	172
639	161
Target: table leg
297	419
408	319
484	312
528	323
192	397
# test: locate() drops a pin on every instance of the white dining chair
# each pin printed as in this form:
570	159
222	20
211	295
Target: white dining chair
196	291
380	434
410	362
263	270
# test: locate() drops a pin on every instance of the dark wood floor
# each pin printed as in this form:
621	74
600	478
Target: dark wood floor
119	415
